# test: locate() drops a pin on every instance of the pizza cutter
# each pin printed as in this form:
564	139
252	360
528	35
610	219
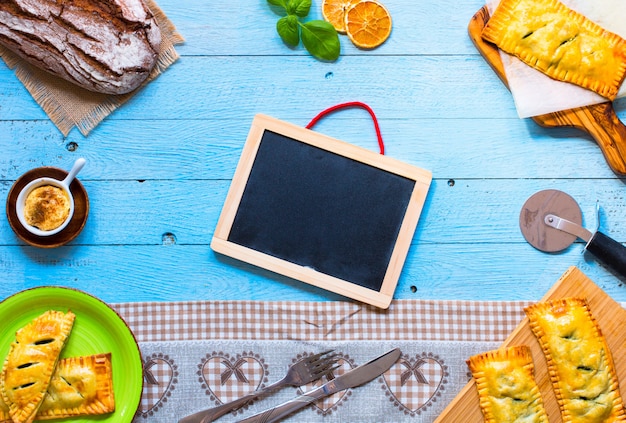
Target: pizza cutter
551	220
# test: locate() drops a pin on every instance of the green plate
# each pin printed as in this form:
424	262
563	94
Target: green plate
97	329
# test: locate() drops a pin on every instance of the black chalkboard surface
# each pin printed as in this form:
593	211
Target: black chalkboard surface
321	211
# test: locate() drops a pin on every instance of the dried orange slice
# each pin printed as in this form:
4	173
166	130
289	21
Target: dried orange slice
368	23
334	11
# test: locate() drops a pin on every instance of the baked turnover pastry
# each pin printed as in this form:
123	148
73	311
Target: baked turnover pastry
31	361
579	361
506	386
79	386
559	42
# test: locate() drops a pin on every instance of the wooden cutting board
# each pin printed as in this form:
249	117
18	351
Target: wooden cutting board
612	320
599	120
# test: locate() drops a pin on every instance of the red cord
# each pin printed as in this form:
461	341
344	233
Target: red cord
323	113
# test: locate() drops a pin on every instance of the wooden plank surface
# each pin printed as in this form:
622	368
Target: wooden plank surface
611	318
158	169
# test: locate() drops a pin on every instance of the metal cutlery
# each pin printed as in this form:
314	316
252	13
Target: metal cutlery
355	377
306	370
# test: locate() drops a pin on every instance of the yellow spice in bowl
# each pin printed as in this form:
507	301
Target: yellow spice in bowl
47	207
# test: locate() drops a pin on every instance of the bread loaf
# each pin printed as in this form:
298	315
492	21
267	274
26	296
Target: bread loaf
107	46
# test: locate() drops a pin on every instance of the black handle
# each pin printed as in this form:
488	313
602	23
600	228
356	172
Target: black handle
609	252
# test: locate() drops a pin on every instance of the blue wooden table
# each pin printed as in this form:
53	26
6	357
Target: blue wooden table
158	169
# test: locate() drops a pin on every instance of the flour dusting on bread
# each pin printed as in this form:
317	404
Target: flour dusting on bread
108	46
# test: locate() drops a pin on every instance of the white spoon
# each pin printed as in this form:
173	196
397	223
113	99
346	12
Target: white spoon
78	166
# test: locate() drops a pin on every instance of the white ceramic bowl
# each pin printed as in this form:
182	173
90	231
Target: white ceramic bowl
64	185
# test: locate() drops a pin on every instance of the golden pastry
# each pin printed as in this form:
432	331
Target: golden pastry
579	361
79	386
506	386
4	412
31	361
559	42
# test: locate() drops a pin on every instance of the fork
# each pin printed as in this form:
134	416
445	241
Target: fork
306	370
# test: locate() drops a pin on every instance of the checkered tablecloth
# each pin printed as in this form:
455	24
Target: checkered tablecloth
201	354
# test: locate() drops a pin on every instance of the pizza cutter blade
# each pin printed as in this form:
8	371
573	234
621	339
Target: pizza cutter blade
551	220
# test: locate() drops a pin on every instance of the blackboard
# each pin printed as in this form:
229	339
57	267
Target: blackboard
321	211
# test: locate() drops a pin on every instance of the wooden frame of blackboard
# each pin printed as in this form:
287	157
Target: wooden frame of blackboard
252	189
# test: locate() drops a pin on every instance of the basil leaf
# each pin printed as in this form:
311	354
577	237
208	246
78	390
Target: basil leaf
280	3
321	40
299	8
287	28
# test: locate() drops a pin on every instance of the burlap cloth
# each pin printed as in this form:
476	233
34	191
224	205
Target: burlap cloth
200	354
68	105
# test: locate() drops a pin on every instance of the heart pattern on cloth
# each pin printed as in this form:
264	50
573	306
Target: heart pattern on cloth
415	383
226	378
326	405
160	376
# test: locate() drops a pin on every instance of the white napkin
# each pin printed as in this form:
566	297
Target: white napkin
535	93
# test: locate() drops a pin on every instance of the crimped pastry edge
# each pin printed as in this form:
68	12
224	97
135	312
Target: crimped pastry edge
505	12
618	412
27	414
519	355
103	403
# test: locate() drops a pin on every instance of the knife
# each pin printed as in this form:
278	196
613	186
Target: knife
355	377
